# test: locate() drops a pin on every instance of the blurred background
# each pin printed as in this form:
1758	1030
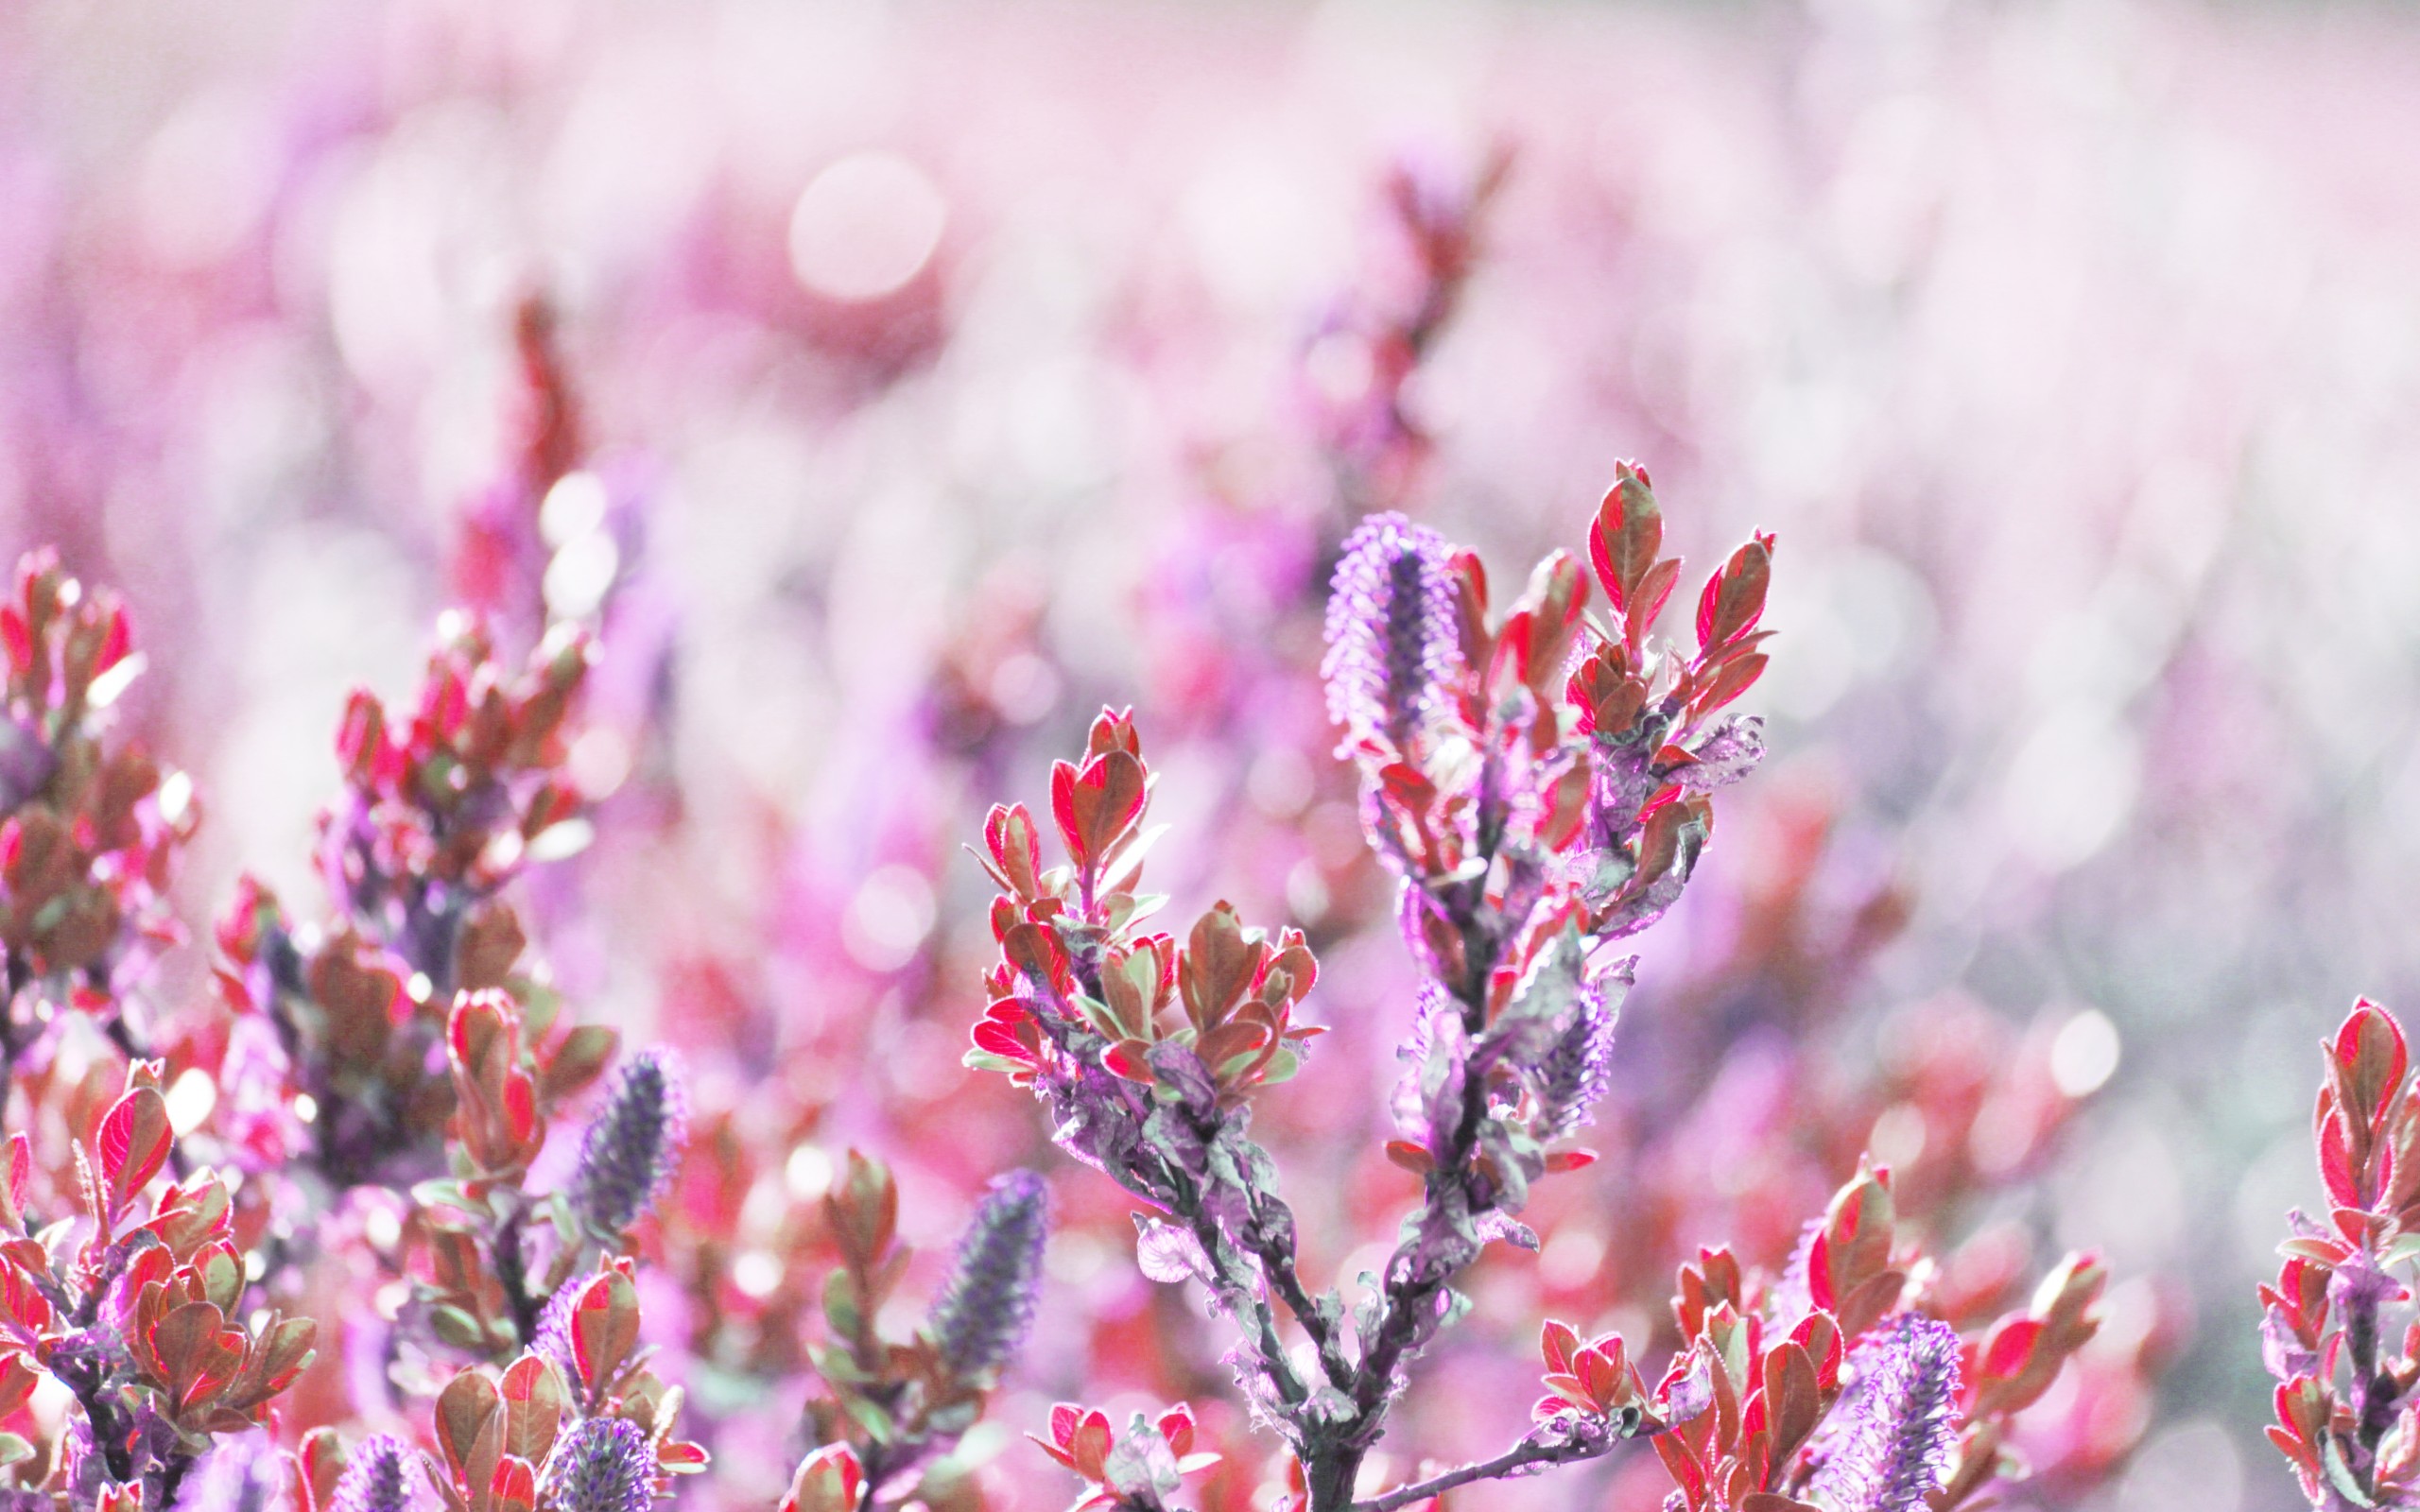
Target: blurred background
892	384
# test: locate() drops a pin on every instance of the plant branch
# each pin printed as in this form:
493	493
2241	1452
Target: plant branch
1527	1453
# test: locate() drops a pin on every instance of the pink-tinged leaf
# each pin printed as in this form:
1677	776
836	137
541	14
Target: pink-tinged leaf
1734	599
829	1480
2336	1165
534	1401
2370	1048
521	1106
2008	1348
1819	1336
1735	677
1557	1343
134	1142
1016	848
682	1457
513	1487
1601	1377
19	1174
1176	1425
604	1329
115	642
17	1382
1096	805
463	1408
1410	1157
1654	591
1089	1445
1628	533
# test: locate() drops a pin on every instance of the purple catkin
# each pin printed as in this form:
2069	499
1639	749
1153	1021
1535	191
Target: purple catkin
1898	1448
551	1339
377	1477
239	1474
1577	1068
1793	1296
988	1303
626	1154
1392	631
27	764
601	1465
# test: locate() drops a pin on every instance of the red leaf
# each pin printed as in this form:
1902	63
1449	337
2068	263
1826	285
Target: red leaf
604	1329
521	1106
1412	1157
1654	591
134	1142
1126	1058
21	1165
1556	1344
1095	805
1628	533
2371	1051
2336	1165
514	1485
1089	1446
2008	1347
1176	1426
1734	599
19	640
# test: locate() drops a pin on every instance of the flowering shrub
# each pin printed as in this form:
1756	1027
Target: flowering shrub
2336	1329
378	1108
551	1273
1541	786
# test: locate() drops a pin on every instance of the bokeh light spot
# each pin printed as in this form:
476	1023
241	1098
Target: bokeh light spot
865	227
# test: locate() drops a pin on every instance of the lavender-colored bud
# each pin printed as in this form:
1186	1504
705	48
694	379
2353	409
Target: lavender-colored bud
241	1474
377	1478
1897	1449
988	1304
626	1154
1579	1066
26	765
551	1339
1793	1294
601	1465
1392	629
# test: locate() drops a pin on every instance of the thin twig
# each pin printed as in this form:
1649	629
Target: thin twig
1527	1453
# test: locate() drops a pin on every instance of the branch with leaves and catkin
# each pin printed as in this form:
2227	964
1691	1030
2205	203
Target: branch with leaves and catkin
122	1277
2337	1327
1540	785
892	1411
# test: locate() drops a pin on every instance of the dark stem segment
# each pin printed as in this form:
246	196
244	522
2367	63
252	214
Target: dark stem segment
1521	1455
2375	1395
512	1274
1410	1294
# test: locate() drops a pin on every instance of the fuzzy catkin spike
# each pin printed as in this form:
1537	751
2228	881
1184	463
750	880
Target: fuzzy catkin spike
627	1152
1898	1448
1577	1067
987	1306
551	1339
377	1478
1393	635
602	1465
243	1473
